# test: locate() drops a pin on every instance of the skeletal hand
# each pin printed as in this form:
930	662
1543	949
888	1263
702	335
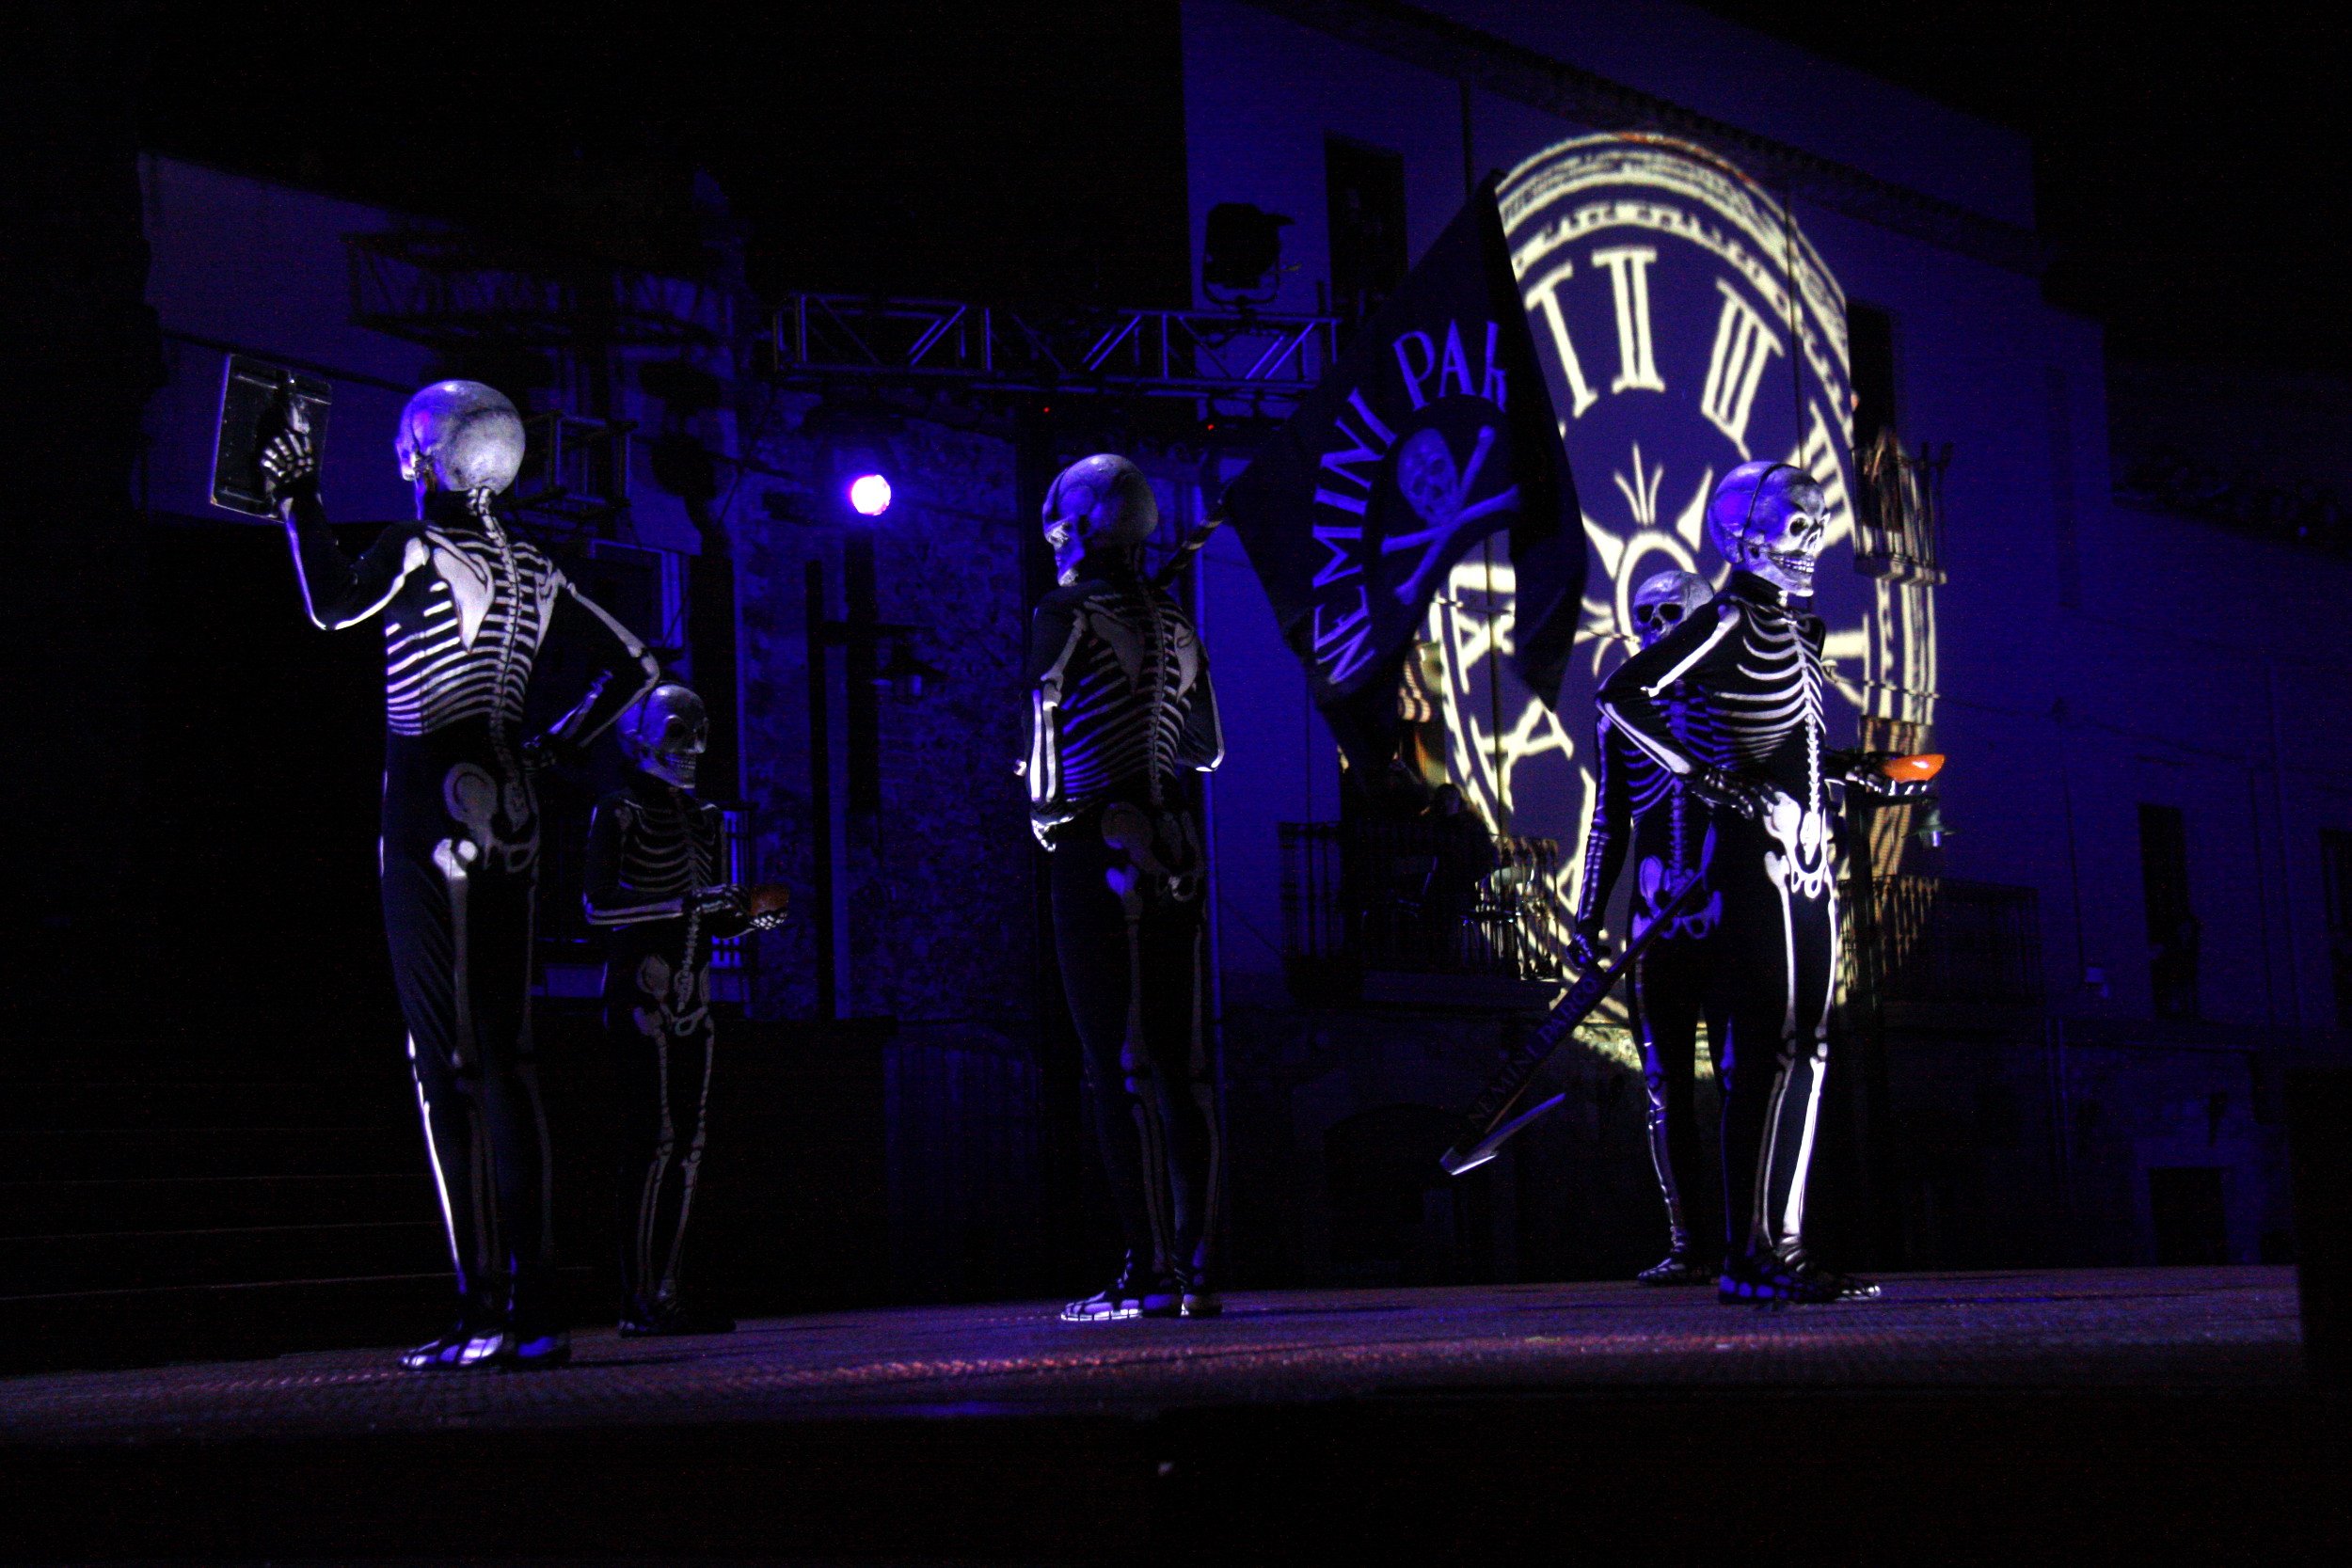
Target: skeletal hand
549	750
1874	782
1724	791
1584	943
289	465
726	898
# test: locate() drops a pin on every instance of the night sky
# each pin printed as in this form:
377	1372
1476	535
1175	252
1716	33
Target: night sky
2194	161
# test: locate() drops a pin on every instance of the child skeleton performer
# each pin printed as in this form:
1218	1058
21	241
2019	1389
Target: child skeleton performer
1124	724
467	606
652	881
1643	809
1753	659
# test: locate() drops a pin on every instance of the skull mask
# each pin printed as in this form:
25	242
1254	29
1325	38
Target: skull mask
459	437
665	733
1665	601
1770	519
1098	509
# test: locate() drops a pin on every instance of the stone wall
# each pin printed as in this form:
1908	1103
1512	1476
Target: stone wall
937	883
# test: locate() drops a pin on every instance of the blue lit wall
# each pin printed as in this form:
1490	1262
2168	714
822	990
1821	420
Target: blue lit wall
2145	628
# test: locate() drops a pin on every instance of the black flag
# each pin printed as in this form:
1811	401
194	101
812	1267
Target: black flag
1433	432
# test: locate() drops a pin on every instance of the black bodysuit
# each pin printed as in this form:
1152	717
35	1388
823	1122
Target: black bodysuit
1123	724
1753	659
652	848
1642	809
467	608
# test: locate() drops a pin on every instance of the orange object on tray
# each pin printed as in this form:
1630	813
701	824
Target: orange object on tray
1916	768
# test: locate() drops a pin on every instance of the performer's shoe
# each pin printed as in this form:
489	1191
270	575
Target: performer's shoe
1839	1287
1196	1298
1770	1280
1679	1268
1133	1294
535	1351
459	1347
438	1355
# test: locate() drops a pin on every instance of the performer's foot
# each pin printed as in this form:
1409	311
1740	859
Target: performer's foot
1196	1298
460	1347
1748	1281
1133	1295
1769	1280
1679	1268
535	1351
1839	1287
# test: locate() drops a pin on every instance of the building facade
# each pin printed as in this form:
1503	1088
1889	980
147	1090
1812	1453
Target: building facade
2066	1025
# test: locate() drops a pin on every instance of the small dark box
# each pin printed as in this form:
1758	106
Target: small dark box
257	400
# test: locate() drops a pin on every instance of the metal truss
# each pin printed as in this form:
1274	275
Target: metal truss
445	289
575	473
1127	353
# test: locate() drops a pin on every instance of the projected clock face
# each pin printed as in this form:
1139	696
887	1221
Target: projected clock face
1686	326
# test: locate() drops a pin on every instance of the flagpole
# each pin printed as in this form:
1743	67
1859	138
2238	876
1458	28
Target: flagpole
1487	549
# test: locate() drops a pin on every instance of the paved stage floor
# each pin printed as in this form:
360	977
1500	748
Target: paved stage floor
2023	1415
2209	1328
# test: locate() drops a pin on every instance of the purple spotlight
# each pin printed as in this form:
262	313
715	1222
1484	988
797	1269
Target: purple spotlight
869	494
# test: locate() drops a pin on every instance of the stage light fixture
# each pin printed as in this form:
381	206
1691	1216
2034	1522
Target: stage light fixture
1242	253
869	494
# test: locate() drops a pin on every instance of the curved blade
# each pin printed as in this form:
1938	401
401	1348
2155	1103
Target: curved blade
1497	1112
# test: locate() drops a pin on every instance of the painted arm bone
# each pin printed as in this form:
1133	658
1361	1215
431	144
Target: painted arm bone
628	672
1605	844
336	592
1631	700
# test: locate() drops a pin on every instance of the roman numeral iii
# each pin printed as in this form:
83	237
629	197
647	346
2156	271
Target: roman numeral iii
1744	344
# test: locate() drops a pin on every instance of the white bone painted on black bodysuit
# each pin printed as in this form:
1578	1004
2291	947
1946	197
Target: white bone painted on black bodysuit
1124	699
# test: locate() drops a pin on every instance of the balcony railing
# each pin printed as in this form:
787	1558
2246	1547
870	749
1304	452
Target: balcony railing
1424	897
1898	511
1937	939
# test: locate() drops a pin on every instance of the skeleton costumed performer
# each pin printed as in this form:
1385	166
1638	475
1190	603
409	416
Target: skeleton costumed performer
1752	658
1645	811
466	607
1124	724
652	882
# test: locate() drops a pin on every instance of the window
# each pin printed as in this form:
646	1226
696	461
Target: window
2335	875
1364	187
2173	934
1870	344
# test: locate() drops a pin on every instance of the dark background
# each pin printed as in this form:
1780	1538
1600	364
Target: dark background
188	797
2194	161
1012	150
174	724
2194	167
